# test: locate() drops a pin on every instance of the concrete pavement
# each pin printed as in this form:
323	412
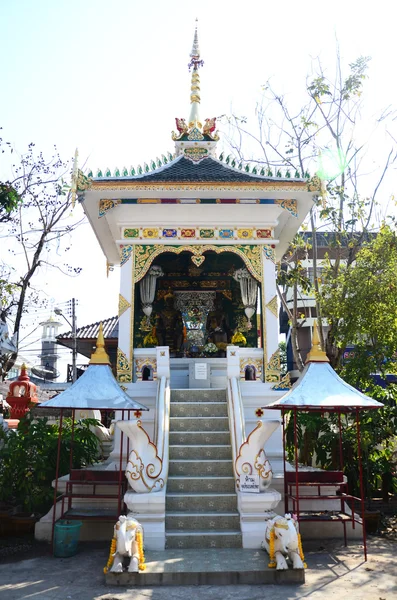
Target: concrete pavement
334	572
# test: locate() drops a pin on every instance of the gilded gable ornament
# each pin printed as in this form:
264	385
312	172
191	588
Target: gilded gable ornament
273	306
272	373
123	367
125	253
290	205
105	205
123	305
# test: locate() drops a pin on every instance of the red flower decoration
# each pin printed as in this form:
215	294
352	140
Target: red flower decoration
137	414
259	412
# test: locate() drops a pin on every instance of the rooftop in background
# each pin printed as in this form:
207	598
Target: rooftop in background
97	388
87	335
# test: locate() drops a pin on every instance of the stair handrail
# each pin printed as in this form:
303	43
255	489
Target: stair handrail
147	465
163	423
249	456
236	417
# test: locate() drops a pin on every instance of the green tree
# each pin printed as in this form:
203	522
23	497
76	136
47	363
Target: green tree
42	219
360	304
319	136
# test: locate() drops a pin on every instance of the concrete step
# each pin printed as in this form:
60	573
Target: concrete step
199	424
199	438
216	566
203	539
201	467
198	409
200	521
200	452
200	502
193	395
186	484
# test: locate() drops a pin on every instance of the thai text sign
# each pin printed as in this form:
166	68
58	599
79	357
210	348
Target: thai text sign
249	483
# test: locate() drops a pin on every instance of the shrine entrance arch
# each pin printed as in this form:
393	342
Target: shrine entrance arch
197	307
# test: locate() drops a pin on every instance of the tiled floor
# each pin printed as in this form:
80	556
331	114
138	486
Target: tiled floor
192	560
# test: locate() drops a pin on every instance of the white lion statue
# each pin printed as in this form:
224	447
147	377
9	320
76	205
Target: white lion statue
127	541
282	539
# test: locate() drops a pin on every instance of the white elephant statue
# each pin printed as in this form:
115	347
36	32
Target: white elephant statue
127	541
282	539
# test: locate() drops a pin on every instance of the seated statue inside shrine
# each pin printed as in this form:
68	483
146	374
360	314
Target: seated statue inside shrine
217	327
169	327
216	333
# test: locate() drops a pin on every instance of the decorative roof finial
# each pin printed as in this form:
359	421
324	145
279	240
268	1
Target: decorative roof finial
195	64
193	131
100	356
316	354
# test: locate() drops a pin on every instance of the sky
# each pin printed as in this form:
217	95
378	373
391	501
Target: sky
110	78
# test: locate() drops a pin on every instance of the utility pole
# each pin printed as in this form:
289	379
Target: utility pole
71	304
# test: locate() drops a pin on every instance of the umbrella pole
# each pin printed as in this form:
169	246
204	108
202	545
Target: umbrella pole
360	464
296	466
128	439
120	465
56	479
341	465
71	456
341	468
284	466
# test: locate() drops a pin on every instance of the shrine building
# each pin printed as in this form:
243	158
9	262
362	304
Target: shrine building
197	237
197	240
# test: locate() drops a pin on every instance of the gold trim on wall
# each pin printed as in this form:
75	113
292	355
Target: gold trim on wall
216	185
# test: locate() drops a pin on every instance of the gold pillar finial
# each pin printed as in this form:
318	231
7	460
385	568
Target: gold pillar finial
100	356
316	353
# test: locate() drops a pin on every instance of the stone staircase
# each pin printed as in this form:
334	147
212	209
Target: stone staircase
201	503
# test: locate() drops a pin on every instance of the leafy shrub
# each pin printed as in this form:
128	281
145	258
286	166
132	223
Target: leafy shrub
28	458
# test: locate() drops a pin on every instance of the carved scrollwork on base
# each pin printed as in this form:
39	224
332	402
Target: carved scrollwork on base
144	466
252	458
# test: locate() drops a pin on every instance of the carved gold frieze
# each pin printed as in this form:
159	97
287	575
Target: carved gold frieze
124	374
145	255
213	185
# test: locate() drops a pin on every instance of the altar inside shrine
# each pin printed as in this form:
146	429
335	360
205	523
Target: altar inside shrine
196	309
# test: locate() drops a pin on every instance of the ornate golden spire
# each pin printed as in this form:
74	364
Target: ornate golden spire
195	64
316	354
193	131
100	356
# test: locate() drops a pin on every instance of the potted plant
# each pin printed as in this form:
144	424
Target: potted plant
150	340
210	349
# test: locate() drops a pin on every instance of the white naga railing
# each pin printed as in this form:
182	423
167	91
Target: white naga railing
147	463
249	457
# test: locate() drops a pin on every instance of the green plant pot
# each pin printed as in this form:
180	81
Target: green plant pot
372	520
22	524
